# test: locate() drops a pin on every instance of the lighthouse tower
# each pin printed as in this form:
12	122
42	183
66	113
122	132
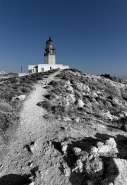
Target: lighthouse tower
50	54
49	60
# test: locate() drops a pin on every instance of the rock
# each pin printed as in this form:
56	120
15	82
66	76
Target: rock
89	182
99	144
70	98
85	88
77	151
125	113
116	172
94	94
67	172
32	183
99	92
94	152
79	86
64	147
70	89
68	82
106	182
77	120
66	118
111	143
107	149
104	149
21	97
121	165
80	103
84	155
66	169
94	168
78	167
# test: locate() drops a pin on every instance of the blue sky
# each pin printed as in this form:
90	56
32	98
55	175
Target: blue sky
90	35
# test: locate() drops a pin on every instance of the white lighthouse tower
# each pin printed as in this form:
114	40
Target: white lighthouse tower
50	54
49	60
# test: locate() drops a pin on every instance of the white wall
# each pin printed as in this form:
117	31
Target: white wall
47	67
31	68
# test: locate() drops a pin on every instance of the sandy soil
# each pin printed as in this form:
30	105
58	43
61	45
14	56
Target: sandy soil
26	150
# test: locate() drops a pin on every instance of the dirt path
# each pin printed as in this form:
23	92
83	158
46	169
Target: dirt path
30	134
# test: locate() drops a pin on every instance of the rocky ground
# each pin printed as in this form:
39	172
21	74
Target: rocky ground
63	127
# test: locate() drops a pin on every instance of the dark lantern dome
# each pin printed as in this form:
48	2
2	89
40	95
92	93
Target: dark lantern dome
50	40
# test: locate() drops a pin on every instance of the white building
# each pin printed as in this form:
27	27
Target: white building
50	60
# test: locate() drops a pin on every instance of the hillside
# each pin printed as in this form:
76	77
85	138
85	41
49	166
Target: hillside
63	127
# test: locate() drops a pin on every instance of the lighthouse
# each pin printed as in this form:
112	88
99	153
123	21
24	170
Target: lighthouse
49	60
50	54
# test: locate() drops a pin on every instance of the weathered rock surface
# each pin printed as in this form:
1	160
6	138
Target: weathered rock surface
121	165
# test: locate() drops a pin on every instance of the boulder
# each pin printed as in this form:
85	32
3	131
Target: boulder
69	88
77	151
78	167
77	120
80	103
94	151
20	98
111	143
64	147
94	168
121	165
107	149
85	88
104	149
66	169
108	115
116	172
79	86
89	182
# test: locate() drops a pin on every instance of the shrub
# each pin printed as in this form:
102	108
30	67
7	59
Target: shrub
58	90
46	105
39	78
53	83
25	89
5	107
14	80
2	88
52	96
7	96
15	87
58	110
124	95
7	121
66	77
33	79
1	100
29	86
78	95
